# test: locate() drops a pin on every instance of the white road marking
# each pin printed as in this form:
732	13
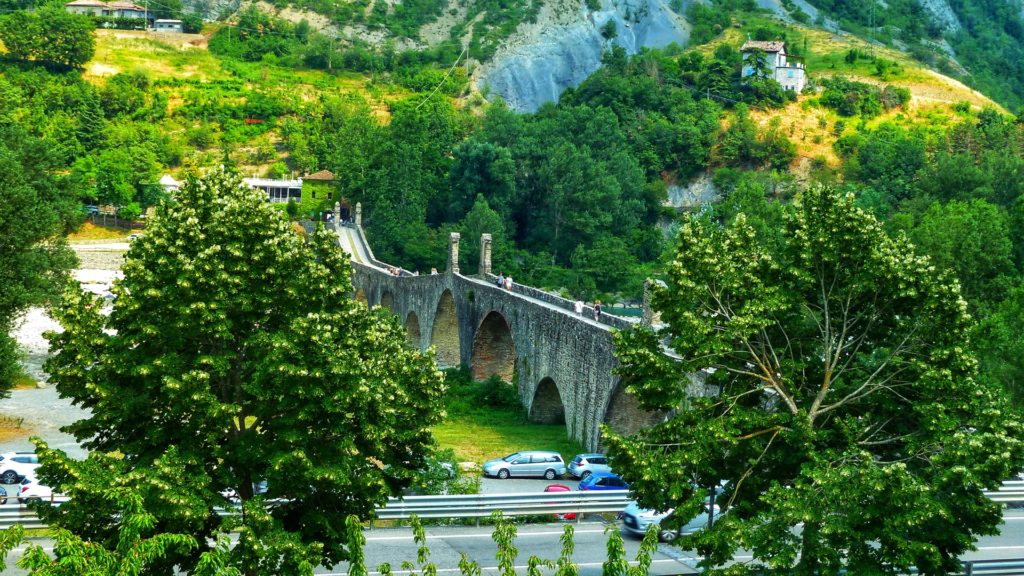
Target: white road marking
480	535
495	568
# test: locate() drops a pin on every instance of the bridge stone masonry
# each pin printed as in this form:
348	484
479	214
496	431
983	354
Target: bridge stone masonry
562	362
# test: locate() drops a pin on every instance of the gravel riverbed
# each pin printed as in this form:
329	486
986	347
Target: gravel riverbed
41	408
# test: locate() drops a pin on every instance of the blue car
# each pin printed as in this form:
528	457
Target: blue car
603	481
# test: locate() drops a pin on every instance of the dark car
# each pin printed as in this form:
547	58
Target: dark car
603	481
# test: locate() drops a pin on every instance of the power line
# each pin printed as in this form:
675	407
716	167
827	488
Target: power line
443	80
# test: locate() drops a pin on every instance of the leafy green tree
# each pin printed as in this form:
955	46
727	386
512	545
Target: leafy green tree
971	239
90	121
50	35
841	397
481	168
34	258
191	23
482	220
1000	339
235	343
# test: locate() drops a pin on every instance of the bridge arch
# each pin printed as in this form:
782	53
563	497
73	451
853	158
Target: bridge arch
547	406
387	300
412	331
494	351
361	296
444	335
625	415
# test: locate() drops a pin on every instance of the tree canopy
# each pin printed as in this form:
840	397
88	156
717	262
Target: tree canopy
50	35
34	258
234	355
839	394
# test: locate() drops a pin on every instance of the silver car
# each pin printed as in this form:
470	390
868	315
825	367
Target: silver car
527	463
636	520
584	465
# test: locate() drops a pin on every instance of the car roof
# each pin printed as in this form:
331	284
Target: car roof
603	475
590	455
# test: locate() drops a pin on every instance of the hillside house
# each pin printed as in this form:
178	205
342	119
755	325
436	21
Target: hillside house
317	191
787	70
164	25
108	9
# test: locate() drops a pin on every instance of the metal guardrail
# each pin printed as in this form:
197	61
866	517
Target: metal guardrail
483	505
1014	567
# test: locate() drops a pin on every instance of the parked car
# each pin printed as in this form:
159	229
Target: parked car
15	465
135	236
31	490
636	520
603	481
528	463
561	488
3	496
584	465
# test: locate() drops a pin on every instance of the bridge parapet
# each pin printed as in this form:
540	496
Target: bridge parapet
616	322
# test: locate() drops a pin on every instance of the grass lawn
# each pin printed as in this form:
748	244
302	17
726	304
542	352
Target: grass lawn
90	231
492	433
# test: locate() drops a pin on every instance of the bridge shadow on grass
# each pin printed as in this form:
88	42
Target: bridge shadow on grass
486	420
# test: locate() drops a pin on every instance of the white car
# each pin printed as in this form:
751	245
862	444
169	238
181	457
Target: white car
15	465
31	490
636	520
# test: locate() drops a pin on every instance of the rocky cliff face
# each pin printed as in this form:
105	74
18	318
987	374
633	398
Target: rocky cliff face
943	13
210	9
565	45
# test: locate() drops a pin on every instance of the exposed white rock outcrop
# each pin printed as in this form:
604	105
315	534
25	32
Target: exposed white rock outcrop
698	192
943	13
565	45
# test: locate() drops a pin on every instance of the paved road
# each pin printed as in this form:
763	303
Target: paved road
448	543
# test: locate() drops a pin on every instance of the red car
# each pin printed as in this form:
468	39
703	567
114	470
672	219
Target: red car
561	488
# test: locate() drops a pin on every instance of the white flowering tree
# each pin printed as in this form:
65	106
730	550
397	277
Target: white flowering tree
235	355
843	409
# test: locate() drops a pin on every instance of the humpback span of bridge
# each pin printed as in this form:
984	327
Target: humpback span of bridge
561	362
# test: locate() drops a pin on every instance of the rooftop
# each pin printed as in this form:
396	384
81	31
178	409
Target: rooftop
108	5
324	175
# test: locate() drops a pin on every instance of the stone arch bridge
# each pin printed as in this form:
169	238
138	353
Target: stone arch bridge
563	362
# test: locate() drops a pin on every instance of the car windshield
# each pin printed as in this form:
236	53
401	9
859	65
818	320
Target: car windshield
511	457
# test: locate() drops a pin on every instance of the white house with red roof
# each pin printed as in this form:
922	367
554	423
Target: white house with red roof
787	70
110	9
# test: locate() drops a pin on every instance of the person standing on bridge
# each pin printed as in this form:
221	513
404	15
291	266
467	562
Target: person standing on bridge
500	282
579	307
597	310
508	282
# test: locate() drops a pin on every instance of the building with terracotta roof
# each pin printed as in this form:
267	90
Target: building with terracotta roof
787	70
109	9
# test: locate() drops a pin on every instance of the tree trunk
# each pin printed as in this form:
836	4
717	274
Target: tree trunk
809	561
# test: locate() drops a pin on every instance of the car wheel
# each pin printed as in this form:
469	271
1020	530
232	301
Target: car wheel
503	474
584	475
549	474
9	477
667	535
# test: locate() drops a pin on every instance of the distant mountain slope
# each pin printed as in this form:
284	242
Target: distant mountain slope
565	45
